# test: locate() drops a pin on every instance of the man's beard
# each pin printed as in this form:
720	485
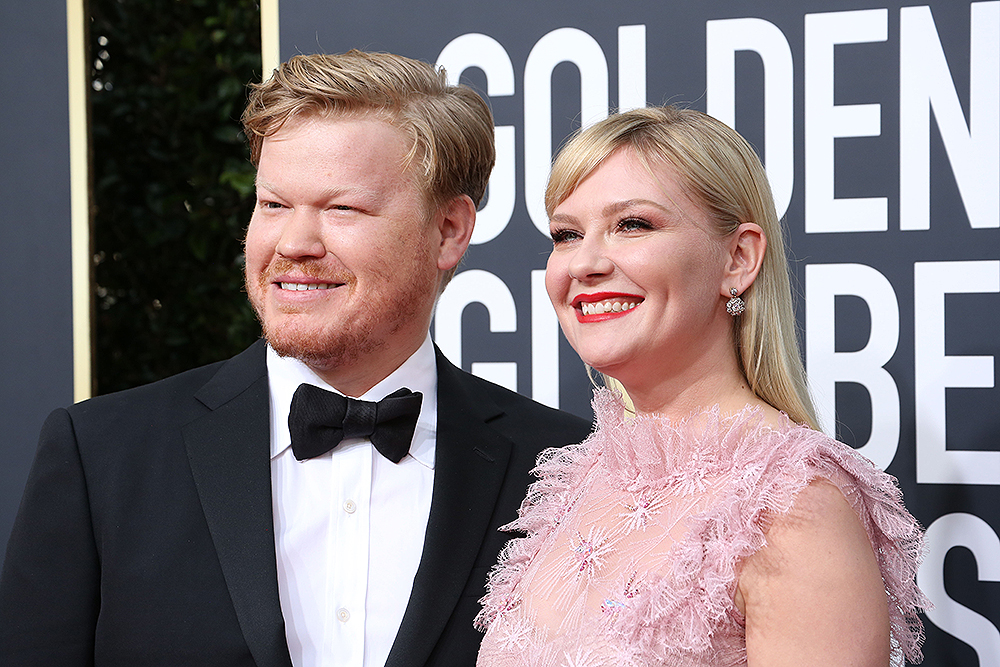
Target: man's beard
337	343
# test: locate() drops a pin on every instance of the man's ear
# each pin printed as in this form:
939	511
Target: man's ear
456	220
746	256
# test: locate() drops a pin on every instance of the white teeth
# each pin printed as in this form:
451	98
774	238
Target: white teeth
601	307
301	287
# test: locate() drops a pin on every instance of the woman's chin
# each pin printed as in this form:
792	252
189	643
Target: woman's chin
609	367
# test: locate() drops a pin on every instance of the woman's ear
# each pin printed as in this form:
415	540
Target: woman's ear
746	256
458	218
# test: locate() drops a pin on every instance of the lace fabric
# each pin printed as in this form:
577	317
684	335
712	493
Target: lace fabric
635	539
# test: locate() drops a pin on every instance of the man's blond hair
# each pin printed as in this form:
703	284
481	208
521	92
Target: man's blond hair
450	127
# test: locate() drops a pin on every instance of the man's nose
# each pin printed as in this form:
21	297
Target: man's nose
301	235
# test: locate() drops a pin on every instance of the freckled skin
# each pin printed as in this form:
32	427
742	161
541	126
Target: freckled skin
623	231
335	205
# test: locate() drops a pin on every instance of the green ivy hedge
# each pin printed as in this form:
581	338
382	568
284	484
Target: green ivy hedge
172	184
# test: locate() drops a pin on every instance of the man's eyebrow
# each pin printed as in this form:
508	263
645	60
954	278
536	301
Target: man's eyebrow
327	193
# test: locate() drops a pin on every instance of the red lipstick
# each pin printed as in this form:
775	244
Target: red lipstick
601	306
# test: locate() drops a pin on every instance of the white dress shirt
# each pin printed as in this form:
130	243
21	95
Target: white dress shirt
349	525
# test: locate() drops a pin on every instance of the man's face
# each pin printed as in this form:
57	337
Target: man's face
342	253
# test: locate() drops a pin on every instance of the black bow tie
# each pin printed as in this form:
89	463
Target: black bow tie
318	420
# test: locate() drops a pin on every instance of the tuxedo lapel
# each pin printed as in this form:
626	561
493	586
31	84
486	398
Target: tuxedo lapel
471	462
229	451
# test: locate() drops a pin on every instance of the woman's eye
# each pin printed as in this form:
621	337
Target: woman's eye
563	235
270	204
633	224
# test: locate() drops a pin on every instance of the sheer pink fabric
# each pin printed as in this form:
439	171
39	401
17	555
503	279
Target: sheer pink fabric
635	538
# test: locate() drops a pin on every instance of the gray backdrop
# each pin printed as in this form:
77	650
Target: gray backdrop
880	129
36	329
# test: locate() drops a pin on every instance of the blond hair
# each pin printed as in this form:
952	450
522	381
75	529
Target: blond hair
450	127
722	173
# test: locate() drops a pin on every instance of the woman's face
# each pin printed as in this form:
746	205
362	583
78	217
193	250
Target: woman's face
637	273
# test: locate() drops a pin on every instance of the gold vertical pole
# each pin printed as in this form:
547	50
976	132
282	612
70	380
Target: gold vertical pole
76	31
269	37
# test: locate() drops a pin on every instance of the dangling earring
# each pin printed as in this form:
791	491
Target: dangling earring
736	305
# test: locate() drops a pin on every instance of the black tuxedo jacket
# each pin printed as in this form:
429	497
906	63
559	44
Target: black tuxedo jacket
145	535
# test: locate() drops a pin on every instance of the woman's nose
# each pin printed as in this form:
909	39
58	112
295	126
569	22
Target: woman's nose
590	260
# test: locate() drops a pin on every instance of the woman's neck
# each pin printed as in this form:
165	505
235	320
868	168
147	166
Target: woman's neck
680	397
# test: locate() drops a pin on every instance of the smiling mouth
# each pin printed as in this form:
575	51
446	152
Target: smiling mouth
601	306
302	287
610	306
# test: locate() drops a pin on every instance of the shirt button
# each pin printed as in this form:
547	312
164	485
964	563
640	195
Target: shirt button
349	506
343	615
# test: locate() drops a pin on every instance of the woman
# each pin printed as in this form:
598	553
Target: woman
706	523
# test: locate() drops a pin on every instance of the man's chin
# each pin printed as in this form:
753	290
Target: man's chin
318	349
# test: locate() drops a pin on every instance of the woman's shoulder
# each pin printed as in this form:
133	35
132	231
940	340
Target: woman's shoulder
814	582
837	539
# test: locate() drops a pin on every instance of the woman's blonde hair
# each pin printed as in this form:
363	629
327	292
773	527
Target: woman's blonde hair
721	172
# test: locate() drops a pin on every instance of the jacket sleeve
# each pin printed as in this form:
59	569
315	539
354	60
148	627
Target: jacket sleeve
49	587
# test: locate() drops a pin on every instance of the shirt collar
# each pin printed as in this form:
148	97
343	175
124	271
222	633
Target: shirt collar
418	373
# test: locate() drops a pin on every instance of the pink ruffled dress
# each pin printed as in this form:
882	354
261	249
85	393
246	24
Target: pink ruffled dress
635	537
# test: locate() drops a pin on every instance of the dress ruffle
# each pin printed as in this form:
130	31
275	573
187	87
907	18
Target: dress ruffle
737	473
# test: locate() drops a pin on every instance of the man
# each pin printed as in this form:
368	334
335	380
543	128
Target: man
201	520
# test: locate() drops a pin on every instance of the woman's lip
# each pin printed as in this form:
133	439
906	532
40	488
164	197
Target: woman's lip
615	305
604	296
600	317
